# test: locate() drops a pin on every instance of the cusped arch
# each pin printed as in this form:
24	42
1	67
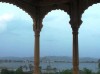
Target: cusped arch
50	10
17	4
89	5
54	9
88	9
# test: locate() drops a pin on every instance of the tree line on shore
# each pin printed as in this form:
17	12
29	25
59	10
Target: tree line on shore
18	71
68	71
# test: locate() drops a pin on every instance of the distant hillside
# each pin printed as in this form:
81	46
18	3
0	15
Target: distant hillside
56	58
10	58
51	59
67	59
16	58
88	59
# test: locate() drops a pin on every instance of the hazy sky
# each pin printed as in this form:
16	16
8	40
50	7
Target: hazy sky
17	36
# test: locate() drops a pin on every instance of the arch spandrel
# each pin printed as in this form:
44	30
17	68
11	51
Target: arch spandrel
87	4
45	10
42	11
75	14
22	5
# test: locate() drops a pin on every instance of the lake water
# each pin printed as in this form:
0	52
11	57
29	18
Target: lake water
64	66
59	66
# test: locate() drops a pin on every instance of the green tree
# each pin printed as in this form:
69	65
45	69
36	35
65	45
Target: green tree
66	72
30	67
87	71
19	71
98	72
99	65
4	71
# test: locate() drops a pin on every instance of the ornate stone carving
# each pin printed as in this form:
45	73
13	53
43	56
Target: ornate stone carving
75	24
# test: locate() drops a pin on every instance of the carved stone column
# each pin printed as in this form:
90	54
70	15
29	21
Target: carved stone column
37	52
37	49
75	26
75	52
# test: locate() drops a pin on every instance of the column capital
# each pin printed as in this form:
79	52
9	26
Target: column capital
75	31
75	24
37	26
37	29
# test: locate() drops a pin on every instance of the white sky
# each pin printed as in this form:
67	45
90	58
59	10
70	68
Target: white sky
17	36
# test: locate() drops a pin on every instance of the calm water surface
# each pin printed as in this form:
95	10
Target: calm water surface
59	66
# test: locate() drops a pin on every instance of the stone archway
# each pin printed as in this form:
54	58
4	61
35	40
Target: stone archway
37	9
18	24
56	27
90	31
8	16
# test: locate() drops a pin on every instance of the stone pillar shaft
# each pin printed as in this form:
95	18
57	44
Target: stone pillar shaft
37	53
75	53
